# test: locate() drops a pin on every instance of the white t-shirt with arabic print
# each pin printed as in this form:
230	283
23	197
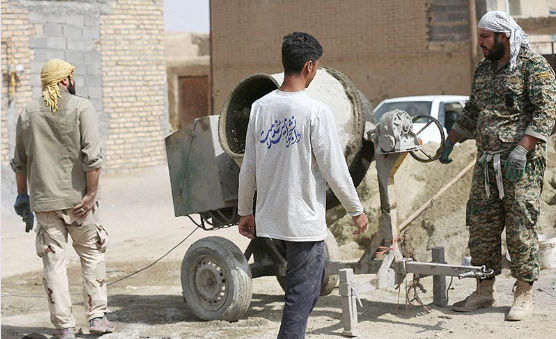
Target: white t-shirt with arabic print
291	151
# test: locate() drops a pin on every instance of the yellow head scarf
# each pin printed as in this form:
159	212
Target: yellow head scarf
52	73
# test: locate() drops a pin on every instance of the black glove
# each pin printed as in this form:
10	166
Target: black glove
22	206
29	219
516	163
448	147
23	209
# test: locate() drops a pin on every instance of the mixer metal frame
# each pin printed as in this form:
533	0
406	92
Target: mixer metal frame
392	268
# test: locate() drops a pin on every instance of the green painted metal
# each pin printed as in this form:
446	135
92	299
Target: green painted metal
203	178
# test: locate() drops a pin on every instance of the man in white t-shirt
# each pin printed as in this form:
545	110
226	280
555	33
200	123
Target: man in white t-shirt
291	151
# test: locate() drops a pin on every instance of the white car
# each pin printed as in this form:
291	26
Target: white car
444	108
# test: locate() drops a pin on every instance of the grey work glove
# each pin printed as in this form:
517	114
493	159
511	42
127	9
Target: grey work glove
516	163
448	147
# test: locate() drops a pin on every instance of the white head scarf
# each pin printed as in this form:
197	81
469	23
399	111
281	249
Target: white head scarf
502	22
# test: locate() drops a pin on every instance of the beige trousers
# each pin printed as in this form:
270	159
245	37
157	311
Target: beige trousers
89	241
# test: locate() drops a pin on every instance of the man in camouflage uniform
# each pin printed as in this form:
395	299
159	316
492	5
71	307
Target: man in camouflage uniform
57	152
511	112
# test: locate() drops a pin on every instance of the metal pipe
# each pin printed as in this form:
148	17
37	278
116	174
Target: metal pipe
460	271
440	296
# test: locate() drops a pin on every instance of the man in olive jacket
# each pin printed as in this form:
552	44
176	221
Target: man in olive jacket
58	153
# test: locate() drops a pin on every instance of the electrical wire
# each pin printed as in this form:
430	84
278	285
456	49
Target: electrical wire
113	282
154	262
448	290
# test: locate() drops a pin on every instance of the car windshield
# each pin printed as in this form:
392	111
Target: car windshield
412	107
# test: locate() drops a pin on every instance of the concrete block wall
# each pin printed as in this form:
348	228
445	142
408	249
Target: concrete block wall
134	84
384	46
69	31
16	31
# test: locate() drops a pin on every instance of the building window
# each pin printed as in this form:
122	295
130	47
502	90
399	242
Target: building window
448	21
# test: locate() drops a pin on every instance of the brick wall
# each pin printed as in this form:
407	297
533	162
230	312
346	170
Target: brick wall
117	49
16	30
384	46
134	84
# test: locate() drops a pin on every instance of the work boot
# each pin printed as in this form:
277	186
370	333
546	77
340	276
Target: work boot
100	326
484	296
522	307
65	333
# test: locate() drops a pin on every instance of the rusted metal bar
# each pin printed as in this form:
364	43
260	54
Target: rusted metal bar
439	193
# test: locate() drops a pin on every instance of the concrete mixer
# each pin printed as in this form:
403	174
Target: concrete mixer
204	161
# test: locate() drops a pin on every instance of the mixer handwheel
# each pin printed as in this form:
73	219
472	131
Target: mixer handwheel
417	155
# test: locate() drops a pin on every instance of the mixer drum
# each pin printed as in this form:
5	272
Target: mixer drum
349	106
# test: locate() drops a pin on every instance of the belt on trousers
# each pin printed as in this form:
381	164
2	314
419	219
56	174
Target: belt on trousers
495	158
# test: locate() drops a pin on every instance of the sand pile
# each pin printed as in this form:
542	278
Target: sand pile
443	224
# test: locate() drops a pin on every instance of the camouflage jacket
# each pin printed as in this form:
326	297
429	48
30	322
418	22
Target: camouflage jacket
504	105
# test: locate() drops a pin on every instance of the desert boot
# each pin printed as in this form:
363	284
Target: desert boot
484	296
522	307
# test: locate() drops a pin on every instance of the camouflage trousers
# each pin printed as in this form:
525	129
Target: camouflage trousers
89	241
517	212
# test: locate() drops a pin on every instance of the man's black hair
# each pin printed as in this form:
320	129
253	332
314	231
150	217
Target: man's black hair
297	49
71	86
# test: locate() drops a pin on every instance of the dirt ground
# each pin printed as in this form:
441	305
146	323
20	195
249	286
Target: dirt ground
138	214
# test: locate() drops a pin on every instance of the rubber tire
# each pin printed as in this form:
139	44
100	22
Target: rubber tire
204	259
331	252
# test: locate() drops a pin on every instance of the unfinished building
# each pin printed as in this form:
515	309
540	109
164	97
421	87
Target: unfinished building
188	68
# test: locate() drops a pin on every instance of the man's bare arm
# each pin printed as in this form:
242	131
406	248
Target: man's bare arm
88	202
21	182
528	142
